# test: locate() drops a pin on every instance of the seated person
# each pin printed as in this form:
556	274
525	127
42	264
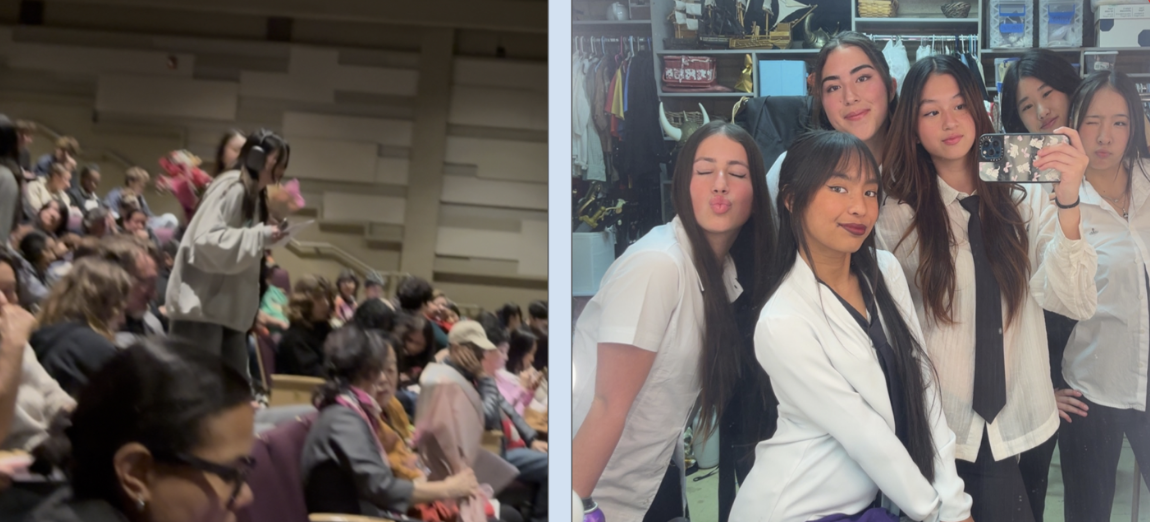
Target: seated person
135	181
342	463
273	314
300	350
138	258
83	196
477	359
78	322
100	223
518	379
39	250
163	434
54	186
38	397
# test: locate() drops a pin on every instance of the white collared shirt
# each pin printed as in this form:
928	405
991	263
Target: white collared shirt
652	298
1062	281
1106	357
836	447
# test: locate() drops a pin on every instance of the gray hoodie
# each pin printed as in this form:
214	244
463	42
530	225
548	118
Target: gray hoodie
216	276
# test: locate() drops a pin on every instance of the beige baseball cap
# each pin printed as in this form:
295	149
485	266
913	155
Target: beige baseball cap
469	332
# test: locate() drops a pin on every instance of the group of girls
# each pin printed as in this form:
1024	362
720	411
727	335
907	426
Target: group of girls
900	304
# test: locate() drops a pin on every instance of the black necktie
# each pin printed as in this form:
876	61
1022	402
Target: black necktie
989	367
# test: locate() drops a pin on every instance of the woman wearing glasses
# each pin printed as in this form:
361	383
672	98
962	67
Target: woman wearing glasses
161	433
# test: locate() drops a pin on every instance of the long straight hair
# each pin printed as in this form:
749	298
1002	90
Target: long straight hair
1047	67
1136	148
909	175
867	46
810	162
721	359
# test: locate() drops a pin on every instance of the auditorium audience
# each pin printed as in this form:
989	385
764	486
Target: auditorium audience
85	310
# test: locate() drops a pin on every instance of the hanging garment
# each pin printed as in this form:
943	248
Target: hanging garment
972	64
924	51
896	59
580	116
596	165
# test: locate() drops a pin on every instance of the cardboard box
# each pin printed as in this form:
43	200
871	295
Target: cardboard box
1122	25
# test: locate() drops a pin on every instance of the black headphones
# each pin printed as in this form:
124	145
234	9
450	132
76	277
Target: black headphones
258	149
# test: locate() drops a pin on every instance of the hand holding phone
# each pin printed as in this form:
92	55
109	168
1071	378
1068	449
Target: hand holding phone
1011	158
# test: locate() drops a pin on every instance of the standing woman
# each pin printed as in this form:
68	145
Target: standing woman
1105	361
661	330
347	286
983	260
1036	98
853	92
214	290
859	412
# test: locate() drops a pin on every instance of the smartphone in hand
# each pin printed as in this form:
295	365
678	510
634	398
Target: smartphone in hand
1009	158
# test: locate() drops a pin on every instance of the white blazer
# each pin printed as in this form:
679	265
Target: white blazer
835	447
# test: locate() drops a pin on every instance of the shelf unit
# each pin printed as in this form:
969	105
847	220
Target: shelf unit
919	18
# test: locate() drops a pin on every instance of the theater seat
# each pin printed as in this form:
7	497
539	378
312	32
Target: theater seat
335	517
287	390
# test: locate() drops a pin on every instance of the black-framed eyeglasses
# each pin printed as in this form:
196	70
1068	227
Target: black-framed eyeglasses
236	475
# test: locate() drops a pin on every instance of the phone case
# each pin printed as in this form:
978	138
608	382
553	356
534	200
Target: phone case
1009	158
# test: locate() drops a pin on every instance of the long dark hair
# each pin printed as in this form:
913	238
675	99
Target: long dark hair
810	162
909	176
157	393
352	354
1136	148
1047	67
10	158
721	361
220	168
9	260
867	46
520	344
32	247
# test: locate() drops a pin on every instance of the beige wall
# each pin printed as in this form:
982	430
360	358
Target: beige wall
118	96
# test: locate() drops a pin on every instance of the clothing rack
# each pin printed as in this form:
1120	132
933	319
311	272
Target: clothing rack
599	43
972	38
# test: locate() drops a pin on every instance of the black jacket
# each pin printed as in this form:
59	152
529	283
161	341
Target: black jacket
300	350
60	507
71	353
775	122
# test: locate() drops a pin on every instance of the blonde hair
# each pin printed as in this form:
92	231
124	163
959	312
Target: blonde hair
69	145
94	291
136	174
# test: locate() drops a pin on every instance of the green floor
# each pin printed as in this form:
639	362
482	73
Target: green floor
702	495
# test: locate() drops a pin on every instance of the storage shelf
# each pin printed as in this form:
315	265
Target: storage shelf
705	94
917	25
611	22
704	52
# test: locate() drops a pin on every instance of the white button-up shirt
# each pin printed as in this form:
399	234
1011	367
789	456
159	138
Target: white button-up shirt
650	298
836	445
1062	281
1106	356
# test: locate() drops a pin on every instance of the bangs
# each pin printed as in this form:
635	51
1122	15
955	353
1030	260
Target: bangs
857	162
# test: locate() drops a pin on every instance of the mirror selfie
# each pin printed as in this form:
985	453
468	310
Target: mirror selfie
916	290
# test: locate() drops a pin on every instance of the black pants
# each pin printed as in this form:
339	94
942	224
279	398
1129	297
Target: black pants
997	487
1089	448
668	502
1035	467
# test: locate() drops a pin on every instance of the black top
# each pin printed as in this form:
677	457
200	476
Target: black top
300	350
71	353
61	507
885	351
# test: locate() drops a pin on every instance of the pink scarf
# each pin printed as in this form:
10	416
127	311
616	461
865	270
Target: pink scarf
359	402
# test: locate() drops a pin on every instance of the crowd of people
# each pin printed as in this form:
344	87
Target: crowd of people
136	352
909	339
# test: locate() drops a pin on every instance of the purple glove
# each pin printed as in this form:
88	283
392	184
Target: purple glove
591	512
